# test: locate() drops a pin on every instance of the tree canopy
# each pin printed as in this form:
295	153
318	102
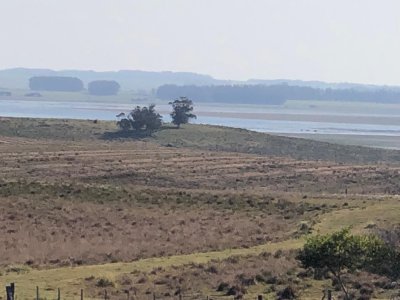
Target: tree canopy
182	111
103	87
55	83
341	251
141	119
275	94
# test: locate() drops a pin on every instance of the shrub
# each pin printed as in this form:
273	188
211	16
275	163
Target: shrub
104	282
342	251
287	293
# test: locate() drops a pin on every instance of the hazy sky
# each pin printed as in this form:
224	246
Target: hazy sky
331	40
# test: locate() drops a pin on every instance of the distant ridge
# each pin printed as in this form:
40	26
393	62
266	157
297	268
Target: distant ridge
322	84
17	78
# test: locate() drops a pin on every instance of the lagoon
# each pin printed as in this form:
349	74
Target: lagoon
257	118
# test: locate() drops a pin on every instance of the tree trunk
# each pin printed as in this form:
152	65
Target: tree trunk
341	284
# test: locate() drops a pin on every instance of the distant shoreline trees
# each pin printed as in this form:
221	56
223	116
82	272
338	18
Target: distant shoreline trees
225	93
56	83
73	84
274	94
103	87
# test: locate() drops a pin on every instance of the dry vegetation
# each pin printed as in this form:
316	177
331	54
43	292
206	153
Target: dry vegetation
105	202
78	199
63	233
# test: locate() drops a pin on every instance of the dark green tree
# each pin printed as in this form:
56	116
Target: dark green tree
153	120
103	87
124	124
341	251
142	119
55	83
182	111
137	118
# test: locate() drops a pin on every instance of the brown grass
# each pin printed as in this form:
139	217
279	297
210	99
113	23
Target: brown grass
250	275
146	164
89	202
59	232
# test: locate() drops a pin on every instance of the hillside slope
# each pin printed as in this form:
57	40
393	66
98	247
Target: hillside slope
200	137
245	141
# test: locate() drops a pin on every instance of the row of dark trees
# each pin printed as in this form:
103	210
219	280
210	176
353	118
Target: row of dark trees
274	94
146	119
73	84
252	94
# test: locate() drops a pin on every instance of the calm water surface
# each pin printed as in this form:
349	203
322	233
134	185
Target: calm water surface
103	111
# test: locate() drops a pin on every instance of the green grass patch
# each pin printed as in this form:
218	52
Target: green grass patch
70	280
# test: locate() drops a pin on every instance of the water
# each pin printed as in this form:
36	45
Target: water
106	111
298	127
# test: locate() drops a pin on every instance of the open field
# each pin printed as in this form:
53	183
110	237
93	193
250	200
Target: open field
202	137
202	209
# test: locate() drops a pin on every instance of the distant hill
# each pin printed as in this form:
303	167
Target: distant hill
18	78
322	85
128	79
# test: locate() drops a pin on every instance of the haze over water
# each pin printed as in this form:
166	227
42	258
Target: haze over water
246	118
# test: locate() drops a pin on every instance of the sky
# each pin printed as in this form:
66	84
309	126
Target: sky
328	40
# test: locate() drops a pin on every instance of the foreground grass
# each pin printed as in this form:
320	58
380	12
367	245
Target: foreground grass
70	280
54	155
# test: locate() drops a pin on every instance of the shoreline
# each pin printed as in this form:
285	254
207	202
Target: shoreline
367	140
208	110
374	141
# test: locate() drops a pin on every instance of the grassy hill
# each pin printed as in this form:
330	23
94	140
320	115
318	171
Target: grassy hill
204	137
245	141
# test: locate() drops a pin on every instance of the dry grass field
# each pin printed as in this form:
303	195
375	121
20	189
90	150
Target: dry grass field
171	212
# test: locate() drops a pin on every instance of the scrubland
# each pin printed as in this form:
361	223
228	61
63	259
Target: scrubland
202	210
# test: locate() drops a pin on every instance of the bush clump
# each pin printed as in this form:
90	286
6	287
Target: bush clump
104	282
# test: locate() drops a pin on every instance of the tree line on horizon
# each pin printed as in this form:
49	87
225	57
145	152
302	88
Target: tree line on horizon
73	84
274	94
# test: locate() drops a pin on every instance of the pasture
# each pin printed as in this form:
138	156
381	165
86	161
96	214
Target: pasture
201	210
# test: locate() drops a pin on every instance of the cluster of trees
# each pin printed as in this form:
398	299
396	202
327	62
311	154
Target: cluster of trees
103	87
146	119
56	83
342	252
274	94
141	118
225	93
5	94
73	84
